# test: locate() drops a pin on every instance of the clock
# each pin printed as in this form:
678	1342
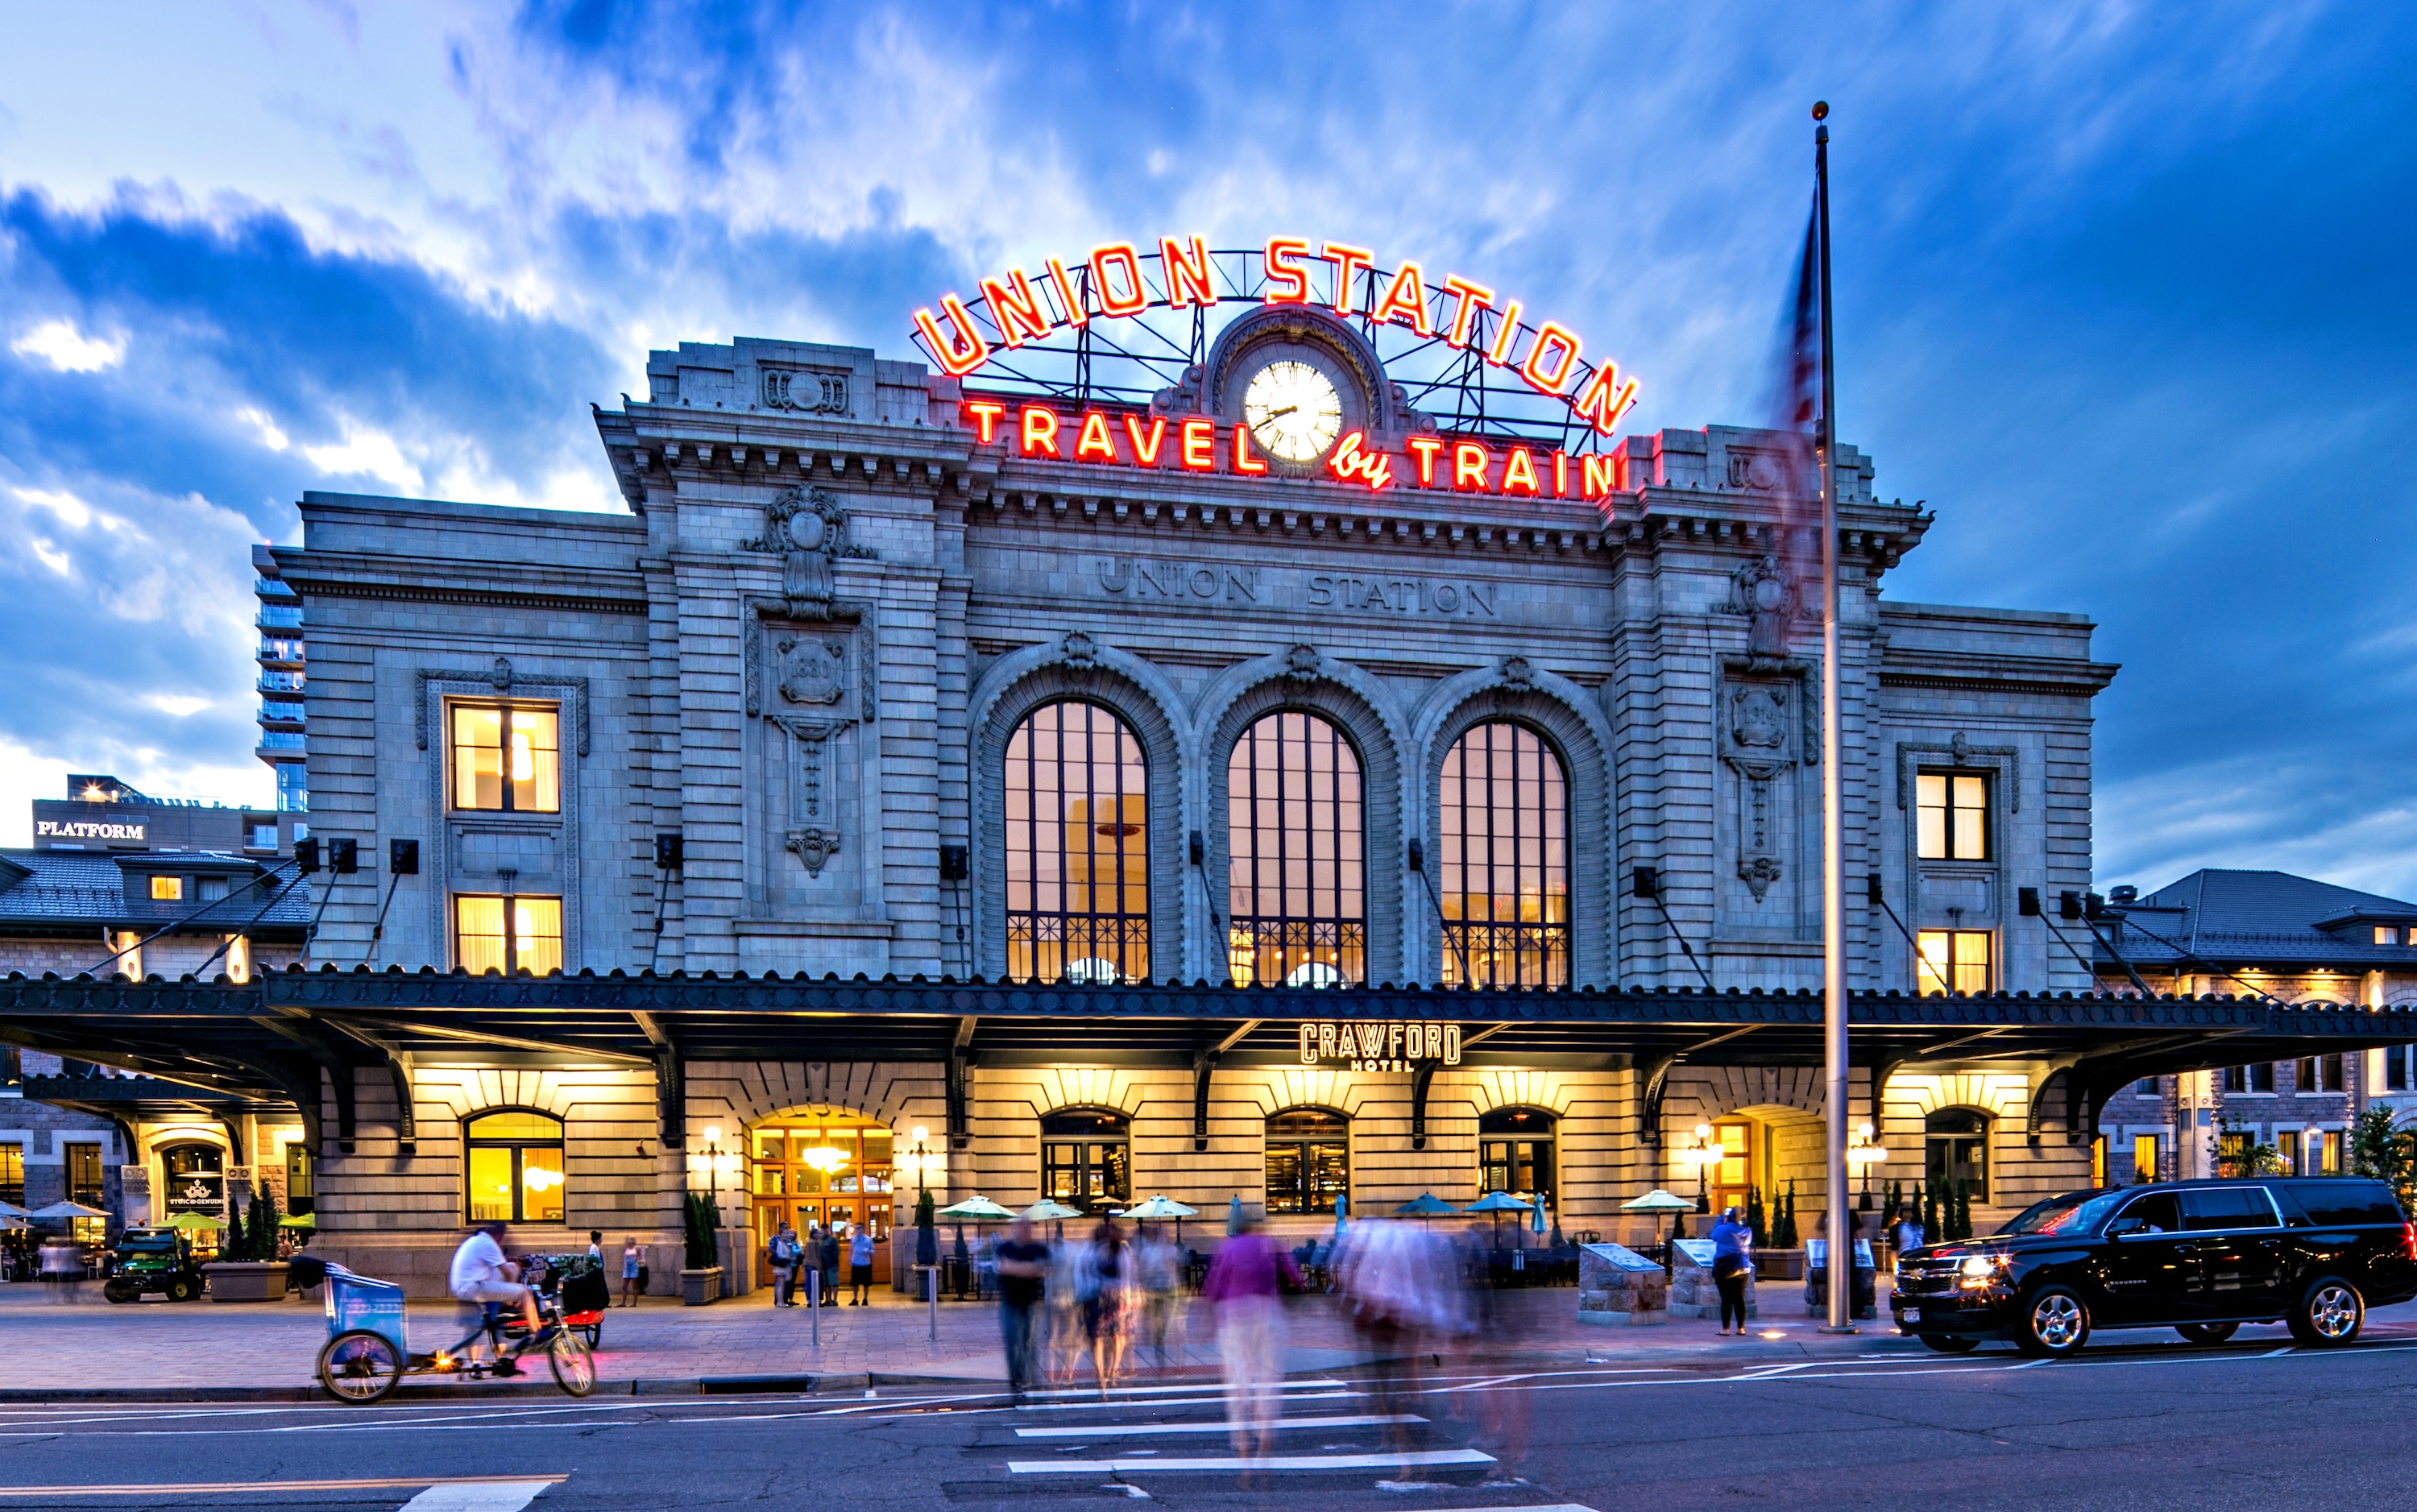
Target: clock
1293	410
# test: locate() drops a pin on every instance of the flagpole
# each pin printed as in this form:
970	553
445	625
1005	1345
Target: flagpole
1833	861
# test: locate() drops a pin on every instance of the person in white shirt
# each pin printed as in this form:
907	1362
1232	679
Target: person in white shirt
481	1274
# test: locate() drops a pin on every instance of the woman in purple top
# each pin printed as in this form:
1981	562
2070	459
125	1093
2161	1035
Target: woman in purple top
1245	1287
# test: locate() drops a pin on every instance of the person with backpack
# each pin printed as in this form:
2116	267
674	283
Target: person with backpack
827	1258
783	1254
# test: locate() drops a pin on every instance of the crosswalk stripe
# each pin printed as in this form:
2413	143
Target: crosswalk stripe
1097	1430
1211	1400
1272	1462
1161	1391
530	1484
500	1496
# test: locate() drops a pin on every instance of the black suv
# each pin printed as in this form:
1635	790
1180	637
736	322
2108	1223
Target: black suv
2202	1257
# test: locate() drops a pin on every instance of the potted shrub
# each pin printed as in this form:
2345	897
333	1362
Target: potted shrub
249	1269
700	1277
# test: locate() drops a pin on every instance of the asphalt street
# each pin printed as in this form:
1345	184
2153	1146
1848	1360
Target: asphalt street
2144	1424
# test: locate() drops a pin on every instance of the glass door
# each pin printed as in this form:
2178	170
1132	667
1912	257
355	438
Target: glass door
818	1169
1734	1176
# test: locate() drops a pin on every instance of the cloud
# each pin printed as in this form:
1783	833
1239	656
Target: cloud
69	350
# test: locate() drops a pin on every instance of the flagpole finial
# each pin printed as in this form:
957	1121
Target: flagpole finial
1820	110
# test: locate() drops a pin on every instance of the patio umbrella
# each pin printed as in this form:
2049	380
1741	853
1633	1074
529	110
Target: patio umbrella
1159	1209
67	1210
978	1208
1425	1205
297	1221
11	1210
1050	1210
1658	1201
1497	1203
1234	1217
195	1222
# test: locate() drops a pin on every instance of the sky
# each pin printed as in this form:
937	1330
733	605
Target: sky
2124	292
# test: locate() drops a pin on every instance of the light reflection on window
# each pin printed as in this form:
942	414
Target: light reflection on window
1504	844
1297	891
1077	808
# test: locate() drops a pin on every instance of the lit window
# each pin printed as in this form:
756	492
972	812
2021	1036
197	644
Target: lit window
83	1173
515	1167
481	943
1084	1161
1077	807
13	1173
1295	892
2387	934
1505	892
301	1194
2144	1157
1309	1160
167	889
1952	816
1514	1151
506	757
1955	961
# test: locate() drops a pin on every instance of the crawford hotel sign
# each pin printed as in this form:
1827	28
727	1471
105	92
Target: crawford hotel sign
1256	690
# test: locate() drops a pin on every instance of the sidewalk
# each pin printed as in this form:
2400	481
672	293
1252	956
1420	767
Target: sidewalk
63	1351
56	1350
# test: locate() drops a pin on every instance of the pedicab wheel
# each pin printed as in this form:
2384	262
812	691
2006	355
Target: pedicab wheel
360	1366
595	1333
574	1368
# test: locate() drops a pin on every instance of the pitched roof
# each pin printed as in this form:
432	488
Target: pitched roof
64	891
2228	918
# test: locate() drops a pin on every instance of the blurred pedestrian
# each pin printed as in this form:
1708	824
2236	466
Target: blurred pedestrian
632	1260
859	1266
826	1259
1398	1283
1158	1271
1022	1273
1245	1292
1908	1234
783	1254
1107	1273
1732	1245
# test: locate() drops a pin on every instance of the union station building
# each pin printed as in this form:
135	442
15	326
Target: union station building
894	791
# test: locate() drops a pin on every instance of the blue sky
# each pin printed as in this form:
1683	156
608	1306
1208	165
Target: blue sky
2123	292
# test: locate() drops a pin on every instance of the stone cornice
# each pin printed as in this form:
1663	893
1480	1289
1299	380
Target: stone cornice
354	575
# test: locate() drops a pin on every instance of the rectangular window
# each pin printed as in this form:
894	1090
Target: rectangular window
2236	1079
2396	1068
2328	1157
1955	961
1952	816
2144	1157
167	889
506	757
2320	1073
2387	934
13	1173
301	1194
83	1174
481	943
2257	1078
2146	1086
2286	1147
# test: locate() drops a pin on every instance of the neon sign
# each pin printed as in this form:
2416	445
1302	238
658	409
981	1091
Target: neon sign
1039	432
1548	359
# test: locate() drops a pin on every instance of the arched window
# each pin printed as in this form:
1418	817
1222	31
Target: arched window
1955	1145
1309	1160
1297	891
1514	1151
196	1180
1505	890
515	1165
1077	806
1084	1158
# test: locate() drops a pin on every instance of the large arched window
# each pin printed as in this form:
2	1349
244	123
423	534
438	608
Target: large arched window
1505	891
1309	1160
1077	805
1084	1158
514	1166
1955	1147
1514	1151
1298	888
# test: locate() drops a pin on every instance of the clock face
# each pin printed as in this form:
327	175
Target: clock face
1292	410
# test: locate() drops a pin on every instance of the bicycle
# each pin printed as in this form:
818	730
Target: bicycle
367	1353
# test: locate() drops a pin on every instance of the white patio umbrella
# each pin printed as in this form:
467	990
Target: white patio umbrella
67	1210
1159	1209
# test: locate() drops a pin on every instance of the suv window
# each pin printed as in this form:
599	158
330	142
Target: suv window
2152	1213
2229	1207
2331	1202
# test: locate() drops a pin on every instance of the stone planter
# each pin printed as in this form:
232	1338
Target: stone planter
246	1280
1779	1264
700	1287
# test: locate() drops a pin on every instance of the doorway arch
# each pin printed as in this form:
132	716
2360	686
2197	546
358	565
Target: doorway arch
820	1168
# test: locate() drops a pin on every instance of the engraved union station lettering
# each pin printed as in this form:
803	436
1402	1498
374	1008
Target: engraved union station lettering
1402	596
1142	578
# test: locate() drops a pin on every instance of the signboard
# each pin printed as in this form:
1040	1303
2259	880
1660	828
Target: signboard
1698	1251
86	830
134	1194
1622	1258
1390	1045
1816	1253
202	1192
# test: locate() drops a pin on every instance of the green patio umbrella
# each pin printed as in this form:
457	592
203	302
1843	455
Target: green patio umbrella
297	1221
195	1223
1658	1201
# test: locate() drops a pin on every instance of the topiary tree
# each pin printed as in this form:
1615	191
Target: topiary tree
1754	1216
1785	1238
264	1226
1929	1198
701	1215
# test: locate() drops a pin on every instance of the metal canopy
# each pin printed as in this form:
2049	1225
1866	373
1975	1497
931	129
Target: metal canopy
268	1039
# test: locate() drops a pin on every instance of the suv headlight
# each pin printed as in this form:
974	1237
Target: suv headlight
1979	1270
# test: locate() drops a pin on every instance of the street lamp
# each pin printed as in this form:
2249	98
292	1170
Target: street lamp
1862	1153
1707	1154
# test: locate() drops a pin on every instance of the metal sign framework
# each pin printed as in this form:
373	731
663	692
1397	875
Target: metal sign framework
1113	358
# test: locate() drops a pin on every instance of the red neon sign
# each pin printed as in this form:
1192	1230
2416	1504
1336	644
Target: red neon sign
1097	438
1022	308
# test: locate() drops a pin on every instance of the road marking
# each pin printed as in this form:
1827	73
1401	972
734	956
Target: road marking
1098	1431
497	1496
2271	1353
527	1486
2026	1365
1093	1392
1188	1401
1272	1462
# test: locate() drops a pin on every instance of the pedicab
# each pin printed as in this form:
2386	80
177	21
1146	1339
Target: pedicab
367	1353
580	1291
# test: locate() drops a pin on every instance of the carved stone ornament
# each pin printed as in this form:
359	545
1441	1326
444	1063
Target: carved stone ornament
1517	673
1759	872
1079	651
813	669
501	676
814	847
809	529
1302	663
1770	598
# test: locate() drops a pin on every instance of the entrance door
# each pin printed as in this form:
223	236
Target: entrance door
821	1169
1731	1178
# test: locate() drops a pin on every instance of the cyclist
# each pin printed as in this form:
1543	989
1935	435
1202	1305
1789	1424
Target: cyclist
480	1274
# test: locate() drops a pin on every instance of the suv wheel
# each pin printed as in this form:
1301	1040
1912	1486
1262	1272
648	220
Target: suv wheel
2055	1323
2207	1333
2330	1312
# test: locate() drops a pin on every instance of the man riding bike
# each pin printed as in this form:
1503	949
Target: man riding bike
480	1274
